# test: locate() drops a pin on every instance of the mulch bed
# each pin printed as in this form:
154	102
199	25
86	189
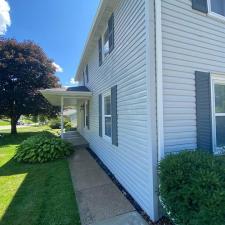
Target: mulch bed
163	221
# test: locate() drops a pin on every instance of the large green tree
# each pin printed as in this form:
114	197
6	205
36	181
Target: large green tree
24	70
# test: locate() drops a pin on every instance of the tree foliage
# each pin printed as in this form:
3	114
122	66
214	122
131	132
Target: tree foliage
24	70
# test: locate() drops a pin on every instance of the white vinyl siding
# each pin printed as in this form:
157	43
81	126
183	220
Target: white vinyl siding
191	41
125	67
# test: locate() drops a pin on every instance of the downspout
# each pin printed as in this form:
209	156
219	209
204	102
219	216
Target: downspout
159	78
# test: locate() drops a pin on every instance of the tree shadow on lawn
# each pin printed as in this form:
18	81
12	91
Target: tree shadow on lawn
8	139
45	196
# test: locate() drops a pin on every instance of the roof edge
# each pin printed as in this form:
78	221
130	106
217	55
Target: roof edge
104	4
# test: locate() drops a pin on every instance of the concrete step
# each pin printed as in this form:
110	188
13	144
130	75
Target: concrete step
71	135
75	138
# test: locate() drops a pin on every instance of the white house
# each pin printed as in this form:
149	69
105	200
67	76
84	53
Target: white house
152	79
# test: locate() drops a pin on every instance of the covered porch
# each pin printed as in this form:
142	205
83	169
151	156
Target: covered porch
68	98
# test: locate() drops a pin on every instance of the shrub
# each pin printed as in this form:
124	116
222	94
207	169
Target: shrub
55	124
192	188
68	126
42	148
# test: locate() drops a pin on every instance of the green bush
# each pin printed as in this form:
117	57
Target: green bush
42	148
55	124
68	126
192	188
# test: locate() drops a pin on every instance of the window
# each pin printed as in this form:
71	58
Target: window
218	113
106	42
87	75
217	7
111	33
107	117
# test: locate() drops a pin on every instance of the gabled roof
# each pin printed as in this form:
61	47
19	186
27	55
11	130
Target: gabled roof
104	12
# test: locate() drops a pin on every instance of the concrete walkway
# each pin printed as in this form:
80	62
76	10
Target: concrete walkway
100	202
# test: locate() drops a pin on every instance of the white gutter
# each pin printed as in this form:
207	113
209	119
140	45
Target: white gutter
159	78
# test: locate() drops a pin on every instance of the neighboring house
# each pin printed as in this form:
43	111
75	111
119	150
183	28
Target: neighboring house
155	73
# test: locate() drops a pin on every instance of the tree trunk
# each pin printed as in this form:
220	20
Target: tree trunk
14	120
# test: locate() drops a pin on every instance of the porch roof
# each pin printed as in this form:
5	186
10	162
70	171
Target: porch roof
70	95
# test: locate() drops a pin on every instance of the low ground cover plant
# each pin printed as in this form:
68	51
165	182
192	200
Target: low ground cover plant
192	188
42	148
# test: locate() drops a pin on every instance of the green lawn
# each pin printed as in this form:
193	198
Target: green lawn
4	123
34	194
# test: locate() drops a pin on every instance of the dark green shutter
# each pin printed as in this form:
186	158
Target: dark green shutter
100	115
111	33
87	74
114	115
203	111
100	51
84	78
200	5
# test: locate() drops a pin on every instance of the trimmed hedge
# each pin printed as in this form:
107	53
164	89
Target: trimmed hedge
42	148
192	188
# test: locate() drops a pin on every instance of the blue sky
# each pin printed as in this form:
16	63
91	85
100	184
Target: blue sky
59	27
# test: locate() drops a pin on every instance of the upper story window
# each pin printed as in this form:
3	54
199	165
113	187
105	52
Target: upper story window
217	7
106	42
111	33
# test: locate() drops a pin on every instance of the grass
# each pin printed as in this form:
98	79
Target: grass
4	123
38	194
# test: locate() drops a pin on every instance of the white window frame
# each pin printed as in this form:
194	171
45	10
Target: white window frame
85	114
215	79
214	14
108	93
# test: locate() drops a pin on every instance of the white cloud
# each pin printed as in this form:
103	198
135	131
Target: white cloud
5	20
72	81
58	68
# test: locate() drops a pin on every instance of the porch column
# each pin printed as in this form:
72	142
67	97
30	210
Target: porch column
62	119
